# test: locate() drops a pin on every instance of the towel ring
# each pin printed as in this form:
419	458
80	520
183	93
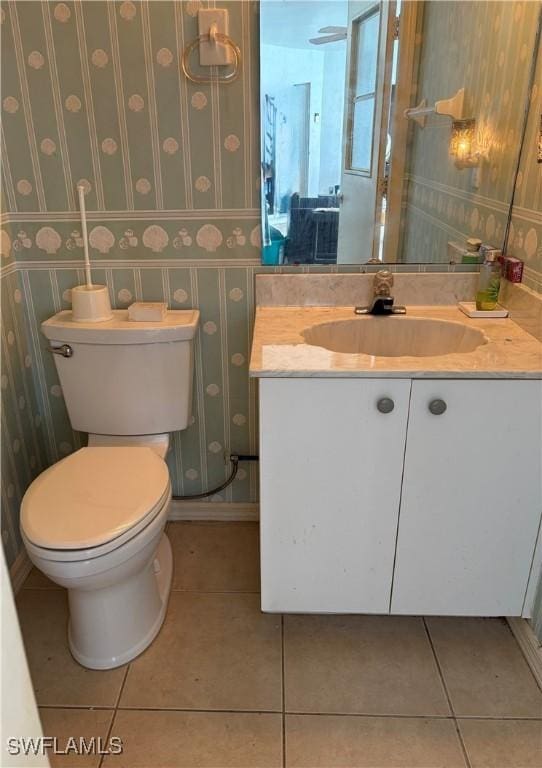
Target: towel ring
212	37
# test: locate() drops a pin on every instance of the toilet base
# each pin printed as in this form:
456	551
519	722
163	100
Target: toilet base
117	624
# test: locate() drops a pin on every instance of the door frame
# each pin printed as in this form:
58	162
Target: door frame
387	11
410	18
381	185
304	165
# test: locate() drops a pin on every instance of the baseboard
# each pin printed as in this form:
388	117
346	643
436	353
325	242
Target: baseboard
210	510
528	642
19	571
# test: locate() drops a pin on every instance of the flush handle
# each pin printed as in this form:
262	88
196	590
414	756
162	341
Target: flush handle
64	350
437	407
385	405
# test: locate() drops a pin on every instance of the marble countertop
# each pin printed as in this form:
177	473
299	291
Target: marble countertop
279	349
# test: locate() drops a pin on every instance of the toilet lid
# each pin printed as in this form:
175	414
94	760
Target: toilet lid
93	496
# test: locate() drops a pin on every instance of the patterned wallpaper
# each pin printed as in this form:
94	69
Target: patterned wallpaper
441	202
525	237
92	93
24	453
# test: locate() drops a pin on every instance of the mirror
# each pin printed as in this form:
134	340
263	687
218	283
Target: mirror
391	131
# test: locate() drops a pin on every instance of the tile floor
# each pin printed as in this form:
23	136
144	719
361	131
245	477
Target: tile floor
225	686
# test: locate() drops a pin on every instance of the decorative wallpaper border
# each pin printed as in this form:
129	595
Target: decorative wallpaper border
465	195
463	215
220	238
170	215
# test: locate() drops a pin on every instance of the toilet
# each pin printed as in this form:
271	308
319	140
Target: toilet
94	522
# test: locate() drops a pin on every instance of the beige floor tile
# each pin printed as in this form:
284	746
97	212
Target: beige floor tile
213	652
379	665
37	580
197	740
503	743
215	557
327	741
484	669
59	680
75	724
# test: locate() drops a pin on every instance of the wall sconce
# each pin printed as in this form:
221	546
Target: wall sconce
463	144
469	147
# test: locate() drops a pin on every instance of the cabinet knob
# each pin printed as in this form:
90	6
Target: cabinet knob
385	405
437	407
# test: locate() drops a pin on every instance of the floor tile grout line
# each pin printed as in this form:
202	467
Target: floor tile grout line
388	716
438	666
283	691
110	729
207	710
217	591
360	715
526	718
448	697
462	743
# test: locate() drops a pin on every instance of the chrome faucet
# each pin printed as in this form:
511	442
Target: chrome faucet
382	303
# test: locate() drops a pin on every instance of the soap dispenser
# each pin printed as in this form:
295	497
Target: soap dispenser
489	282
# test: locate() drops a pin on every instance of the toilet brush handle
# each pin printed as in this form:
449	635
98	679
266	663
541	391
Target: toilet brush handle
82	209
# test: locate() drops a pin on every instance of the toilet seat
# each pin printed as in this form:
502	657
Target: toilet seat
93	501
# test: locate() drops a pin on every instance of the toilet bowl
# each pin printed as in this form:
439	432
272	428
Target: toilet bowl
94	523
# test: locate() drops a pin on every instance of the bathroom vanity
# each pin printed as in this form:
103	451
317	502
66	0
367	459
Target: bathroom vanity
407	482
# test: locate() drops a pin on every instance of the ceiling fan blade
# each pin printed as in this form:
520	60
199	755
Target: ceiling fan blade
329	30
327	39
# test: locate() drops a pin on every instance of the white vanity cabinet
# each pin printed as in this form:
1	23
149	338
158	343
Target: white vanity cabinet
330	480
471	498
433	507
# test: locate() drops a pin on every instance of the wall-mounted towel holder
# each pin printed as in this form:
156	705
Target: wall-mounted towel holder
216	48
452	107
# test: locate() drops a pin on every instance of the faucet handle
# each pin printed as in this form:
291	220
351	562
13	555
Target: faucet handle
383	282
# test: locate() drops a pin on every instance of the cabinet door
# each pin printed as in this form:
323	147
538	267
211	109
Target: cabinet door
331	466
471	498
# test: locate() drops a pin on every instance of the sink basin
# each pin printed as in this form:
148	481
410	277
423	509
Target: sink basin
395	336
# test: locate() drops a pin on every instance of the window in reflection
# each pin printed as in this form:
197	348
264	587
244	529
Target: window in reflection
363	89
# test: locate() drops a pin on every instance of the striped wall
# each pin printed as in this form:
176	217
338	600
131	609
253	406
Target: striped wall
24	453
92	93
442	203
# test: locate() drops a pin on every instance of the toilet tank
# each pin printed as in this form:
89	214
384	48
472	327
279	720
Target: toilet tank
125	377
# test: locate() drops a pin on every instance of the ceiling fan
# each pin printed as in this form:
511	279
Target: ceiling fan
330	35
